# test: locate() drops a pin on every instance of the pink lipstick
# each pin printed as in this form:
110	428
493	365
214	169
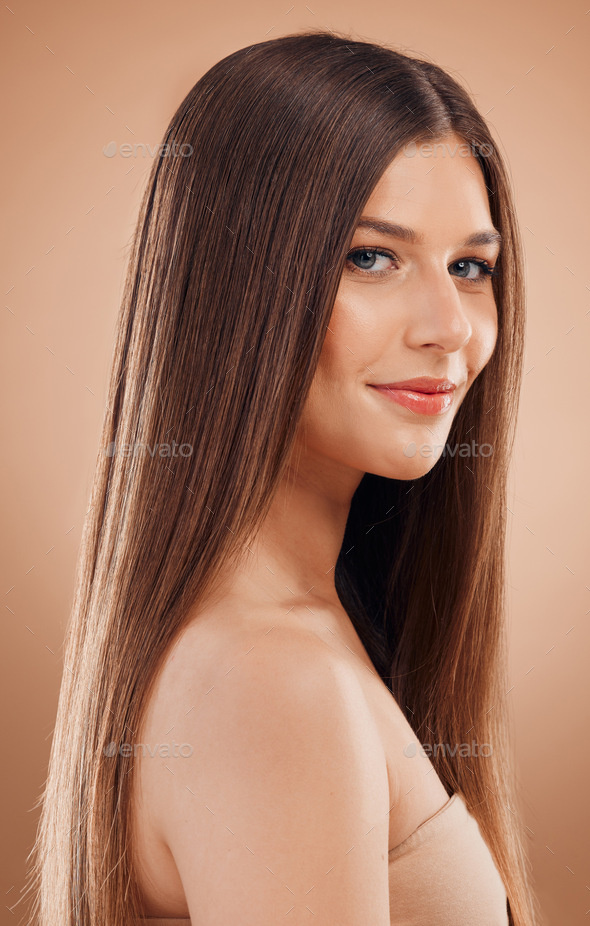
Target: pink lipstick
423	395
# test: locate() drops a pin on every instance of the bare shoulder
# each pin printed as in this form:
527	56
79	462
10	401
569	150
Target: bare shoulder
279	786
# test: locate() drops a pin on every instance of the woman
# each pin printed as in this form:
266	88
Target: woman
284	689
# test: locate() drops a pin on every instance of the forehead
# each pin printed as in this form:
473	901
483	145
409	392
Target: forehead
436	188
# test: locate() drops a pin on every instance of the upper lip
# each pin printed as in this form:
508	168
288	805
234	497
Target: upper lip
425	384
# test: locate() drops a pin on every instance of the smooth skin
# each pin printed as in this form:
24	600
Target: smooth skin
297	784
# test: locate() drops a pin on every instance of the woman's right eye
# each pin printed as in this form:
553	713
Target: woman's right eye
364	260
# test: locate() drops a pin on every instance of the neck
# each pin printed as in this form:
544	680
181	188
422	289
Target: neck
292	559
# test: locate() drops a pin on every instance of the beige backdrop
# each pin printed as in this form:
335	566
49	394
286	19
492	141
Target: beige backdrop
80	77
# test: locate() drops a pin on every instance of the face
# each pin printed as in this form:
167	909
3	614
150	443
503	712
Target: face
413	303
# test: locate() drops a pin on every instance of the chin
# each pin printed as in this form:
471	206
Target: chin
407	468
416	470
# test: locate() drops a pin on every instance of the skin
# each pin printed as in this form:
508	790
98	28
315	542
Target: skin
420	317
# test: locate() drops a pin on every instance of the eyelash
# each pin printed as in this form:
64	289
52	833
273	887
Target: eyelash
486	270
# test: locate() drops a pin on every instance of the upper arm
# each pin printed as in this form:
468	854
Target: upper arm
282	806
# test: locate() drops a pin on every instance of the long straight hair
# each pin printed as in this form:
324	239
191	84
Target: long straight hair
235	264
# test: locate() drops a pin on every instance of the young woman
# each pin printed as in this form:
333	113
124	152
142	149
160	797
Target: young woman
283	697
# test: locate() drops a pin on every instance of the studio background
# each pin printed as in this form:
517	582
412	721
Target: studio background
81	81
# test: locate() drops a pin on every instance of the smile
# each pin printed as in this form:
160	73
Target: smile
423	396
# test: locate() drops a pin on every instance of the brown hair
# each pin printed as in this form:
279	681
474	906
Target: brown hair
235	267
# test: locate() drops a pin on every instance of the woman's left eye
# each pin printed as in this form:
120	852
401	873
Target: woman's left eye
482	269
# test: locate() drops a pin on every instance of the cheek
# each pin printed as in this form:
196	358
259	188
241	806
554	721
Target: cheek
354	335
329	412
483	341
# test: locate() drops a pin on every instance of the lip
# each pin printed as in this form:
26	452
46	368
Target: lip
426	384
422	395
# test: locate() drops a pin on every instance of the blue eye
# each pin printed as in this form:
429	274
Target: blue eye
366	257
483	269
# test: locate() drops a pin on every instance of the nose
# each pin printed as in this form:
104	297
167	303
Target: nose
437	317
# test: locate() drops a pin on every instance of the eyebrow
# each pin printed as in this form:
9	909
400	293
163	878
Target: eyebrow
486	236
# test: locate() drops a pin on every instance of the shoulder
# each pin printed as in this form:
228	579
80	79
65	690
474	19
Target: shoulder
285	773
250	675
250	654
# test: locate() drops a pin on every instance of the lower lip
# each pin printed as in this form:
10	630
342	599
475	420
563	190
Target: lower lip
421	403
